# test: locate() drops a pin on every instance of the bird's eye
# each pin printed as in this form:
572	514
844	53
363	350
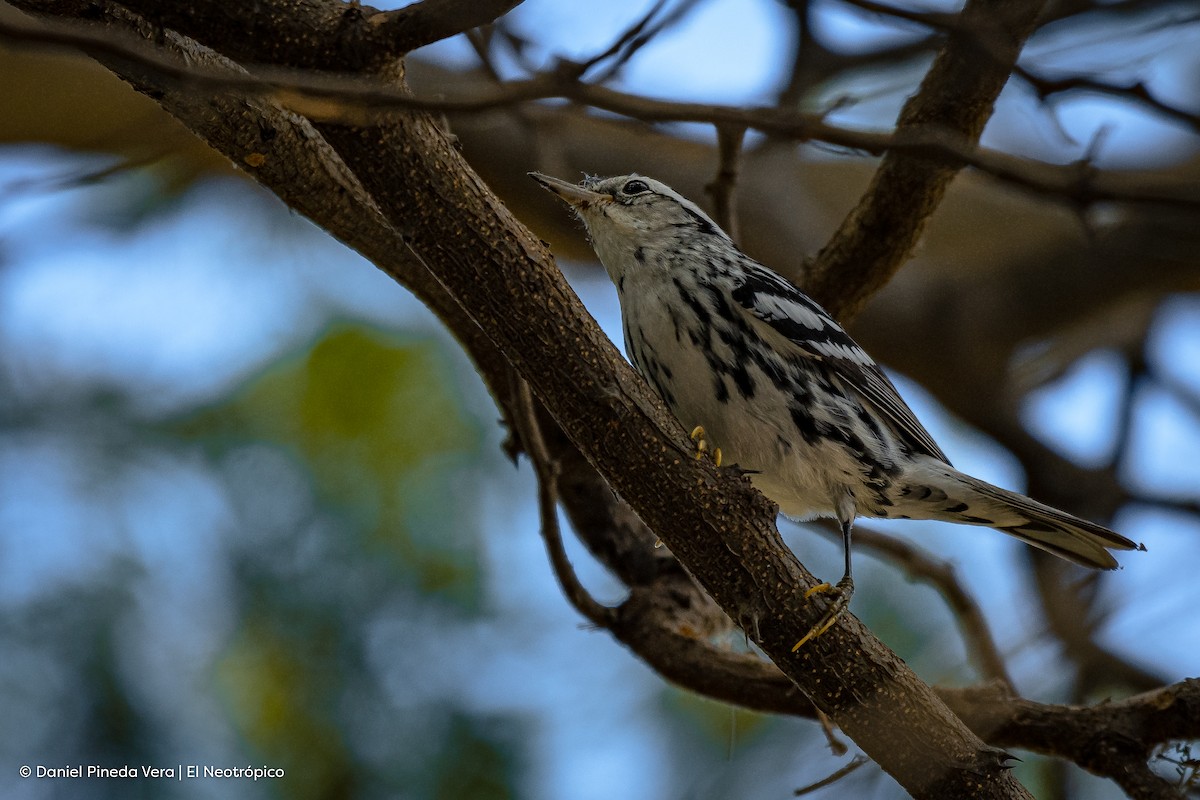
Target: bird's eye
635	187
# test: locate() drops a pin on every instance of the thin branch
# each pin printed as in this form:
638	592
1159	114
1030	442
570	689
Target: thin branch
922	566
1072	618
360	101
628	35
1182	393
75	178
836	745
525	418
854	764
635	38
936	20
481	42
813	62
1135	92
1181	505
723	187
1190	399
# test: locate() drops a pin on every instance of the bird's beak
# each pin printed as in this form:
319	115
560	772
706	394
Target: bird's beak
575	196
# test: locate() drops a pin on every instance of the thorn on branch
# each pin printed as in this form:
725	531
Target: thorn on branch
423	23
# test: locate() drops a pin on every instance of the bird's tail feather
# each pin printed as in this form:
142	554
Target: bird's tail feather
956	497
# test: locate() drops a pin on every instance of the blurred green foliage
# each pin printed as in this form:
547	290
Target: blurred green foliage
376	422
352	473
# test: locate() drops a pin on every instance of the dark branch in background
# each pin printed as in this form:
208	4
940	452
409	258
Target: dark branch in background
1135	92
482	41
363	101
1068	604
941	575
631	33
1138	377
956	96
723	188
634	39
946	23
807	50
813	62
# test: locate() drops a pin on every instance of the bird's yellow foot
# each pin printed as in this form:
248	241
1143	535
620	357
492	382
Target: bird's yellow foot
702	445
841	598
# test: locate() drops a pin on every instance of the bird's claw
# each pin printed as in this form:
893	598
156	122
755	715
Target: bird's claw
702	445
820	588
840	600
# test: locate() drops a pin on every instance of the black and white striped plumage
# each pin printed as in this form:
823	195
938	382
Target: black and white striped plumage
779	386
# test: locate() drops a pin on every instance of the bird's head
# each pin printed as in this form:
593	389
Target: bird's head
629	212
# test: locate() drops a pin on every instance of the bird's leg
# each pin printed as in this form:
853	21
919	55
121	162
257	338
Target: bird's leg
842	593
702	445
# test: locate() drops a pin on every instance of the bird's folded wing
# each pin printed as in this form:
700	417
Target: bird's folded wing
772	300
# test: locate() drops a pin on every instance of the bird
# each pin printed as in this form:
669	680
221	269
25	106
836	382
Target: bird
766	379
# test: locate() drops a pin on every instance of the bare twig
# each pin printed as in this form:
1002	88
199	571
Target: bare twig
481	41
930	19
942	576
635	38
836	745
1135	92
1188	397
723	187
1072	618
1113	739
1183	393
1182	505
842	772
525	418
74	179
814	62
361	101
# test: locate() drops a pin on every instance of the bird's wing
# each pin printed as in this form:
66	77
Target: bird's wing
772	300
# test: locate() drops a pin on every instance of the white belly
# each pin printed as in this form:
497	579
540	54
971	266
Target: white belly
757	432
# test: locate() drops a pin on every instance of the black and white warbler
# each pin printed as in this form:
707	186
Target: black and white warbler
745	359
